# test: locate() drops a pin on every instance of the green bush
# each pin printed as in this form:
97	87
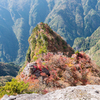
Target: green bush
57	38
40	42
33	46
41	51
33	40
35	29
45	37
13	87
64	47
52	39
46	44
35	58
32	54
63	42
28	55
39	37
77	52
50	30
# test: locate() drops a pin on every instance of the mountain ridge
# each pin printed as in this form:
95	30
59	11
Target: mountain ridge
51	65
70	19
43	40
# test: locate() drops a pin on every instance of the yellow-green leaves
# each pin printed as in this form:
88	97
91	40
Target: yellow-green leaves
13	87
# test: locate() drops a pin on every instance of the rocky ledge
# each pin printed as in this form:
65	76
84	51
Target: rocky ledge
88	92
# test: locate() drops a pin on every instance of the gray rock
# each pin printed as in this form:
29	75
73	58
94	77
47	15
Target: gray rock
11	98
28	70
5	97
88	92
27	96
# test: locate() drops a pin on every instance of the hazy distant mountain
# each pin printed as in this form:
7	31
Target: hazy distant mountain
69	18
91	45
7	72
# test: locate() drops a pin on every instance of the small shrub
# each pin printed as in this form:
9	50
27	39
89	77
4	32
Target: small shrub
63	42
13	87
40	51
46	43
57	38
75	75
45	37
40	41
64	47
32	54
33	40
33	46
77	52
28	55
35	58
35	29
39	37
52	40
50	30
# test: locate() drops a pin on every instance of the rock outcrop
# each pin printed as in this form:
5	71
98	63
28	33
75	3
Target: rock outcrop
43	39
29	69
88	92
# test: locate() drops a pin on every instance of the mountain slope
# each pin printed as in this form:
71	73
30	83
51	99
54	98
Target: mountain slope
8	40
66	20
90	45
51	63
7	72
94	53
9	69
69	18
43	40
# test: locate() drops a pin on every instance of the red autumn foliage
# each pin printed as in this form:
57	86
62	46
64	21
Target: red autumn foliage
43	74
57	71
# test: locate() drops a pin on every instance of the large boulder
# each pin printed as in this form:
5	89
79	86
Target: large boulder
88	92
